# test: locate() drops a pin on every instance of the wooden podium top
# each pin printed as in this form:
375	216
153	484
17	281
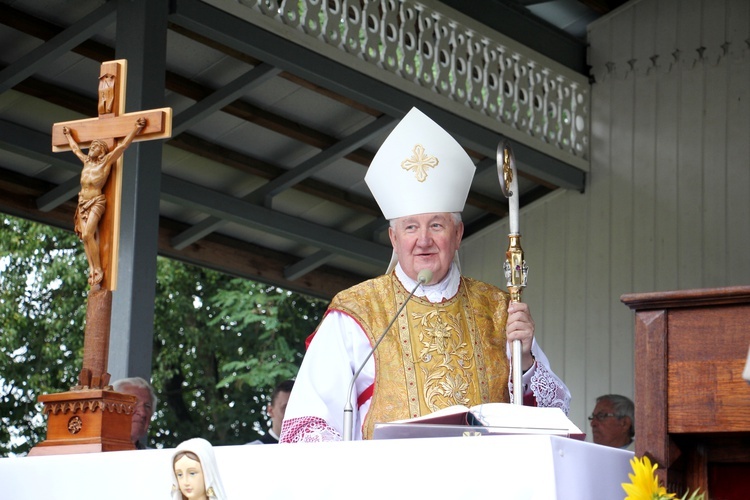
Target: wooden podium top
692	405
687	298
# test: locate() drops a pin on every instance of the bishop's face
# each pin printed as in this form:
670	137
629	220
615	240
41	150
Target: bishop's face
426	241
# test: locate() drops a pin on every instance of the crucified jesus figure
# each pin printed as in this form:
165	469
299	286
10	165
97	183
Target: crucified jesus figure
91	201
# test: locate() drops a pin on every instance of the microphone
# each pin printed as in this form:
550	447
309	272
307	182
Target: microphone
424	277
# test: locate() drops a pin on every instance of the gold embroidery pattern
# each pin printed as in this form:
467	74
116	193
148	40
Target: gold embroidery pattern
408	356
419	162
444	359
473	332
478	309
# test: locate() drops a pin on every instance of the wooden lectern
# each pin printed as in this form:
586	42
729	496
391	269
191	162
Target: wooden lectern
692	405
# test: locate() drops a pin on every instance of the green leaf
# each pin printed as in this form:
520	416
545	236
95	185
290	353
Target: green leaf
220	346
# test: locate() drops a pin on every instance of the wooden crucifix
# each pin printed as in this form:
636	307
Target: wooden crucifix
98	226
97	219
91	416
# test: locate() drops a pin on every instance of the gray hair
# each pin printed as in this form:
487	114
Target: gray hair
137	382
623	407
456	219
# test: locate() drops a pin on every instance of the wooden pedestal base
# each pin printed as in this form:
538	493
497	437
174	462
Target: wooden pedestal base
86	421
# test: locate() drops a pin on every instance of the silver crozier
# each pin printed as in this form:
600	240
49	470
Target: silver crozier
515	268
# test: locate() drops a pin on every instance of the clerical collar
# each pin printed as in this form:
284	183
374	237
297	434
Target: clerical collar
445	289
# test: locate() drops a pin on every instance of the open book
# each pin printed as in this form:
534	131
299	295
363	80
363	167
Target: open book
491	418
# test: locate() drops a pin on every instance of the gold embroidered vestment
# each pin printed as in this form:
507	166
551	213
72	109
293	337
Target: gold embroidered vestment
435	355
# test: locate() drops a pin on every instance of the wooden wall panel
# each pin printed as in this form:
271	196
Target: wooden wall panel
573	205
690	223
667	201
715	171
552	311
737	202
666	36
596	353
644	150
620	191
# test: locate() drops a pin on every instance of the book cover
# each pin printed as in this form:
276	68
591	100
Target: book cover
493	418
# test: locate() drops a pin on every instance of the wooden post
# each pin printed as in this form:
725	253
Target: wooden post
92	417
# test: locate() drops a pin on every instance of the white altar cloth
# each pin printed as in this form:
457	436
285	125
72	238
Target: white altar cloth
507	467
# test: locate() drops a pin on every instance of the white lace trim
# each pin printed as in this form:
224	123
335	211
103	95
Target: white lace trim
547	391
307	430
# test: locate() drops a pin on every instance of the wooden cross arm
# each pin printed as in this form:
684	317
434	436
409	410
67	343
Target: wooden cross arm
158	126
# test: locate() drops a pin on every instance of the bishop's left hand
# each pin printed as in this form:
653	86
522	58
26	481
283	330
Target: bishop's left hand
520	326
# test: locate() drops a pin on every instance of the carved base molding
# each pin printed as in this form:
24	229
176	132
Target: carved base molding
86	421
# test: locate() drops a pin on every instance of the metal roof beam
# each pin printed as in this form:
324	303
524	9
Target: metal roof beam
57	46
263	219
223	96
59	195
297	270
208	201
311	66
288	179
324	158
141	39
32	144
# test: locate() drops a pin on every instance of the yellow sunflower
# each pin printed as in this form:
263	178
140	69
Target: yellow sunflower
644	484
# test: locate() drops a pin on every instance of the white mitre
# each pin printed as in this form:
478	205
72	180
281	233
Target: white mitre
419	169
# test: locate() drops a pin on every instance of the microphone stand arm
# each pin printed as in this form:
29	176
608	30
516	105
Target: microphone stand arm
515	268
348	407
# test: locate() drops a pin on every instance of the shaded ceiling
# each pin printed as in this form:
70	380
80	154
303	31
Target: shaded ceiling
266	182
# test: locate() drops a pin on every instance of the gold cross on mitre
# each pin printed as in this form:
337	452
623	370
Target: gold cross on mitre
97	220
419	162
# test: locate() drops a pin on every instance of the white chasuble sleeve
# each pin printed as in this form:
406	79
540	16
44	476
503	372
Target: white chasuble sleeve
547	389
315	411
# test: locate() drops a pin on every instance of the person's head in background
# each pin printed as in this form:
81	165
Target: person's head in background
277	406
613	421
144	408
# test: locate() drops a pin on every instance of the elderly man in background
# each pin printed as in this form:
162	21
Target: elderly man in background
450	345
613	422
144	408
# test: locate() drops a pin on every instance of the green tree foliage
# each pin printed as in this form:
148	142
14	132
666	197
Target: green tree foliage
220	344
42	312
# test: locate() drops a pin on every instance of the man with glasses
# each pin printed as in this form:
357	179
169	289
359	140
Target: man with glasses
613	421
144	408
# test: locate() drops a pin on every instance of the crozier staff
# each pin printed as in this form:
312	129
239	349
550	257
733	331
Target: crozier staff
450	344
514	267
